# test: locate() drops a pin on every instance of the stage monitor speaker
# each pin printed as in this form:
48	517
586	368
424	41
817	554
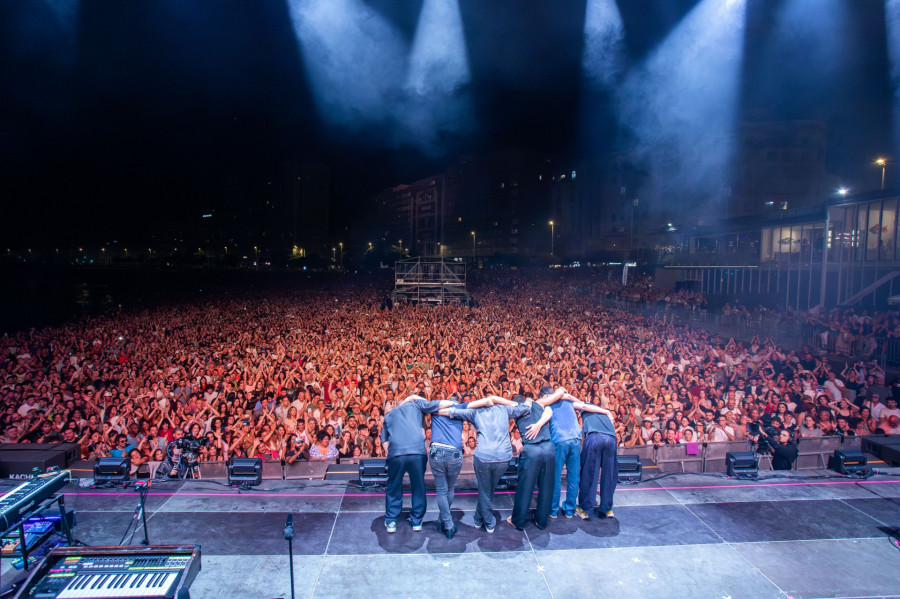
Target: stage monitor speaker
373	471
510	478
742	464
112	470
848	461
246	472
630	468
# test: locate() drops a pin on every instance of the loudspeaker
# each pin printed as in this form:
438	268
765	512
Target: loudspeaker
373	471
848	461
630	468
246	472
510	478
742	464
18	462
112	470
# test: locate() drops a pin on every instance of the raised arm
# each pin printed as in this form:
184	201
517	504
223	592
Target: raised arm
553	397
588	407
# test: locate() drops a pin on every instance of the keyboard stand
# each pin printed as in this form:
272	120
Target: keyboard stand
40	507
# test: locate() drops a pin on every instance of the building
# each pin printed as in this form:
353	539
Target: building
840	253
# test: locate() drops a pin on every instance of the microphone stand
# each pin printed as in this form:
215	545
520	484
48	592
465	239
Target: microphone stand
141	487
289	537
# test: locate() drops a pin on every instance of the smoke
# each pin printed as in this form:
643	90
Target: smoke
368	83
680	106
602	62
892	23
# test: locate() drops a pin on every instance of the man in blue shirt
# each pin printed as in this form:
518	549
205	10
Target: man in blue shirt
403	437
445	456
566	436
492	453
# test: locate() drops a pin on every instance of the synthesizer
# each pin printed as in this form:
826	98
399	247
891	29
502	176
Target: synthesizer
146	572
17	503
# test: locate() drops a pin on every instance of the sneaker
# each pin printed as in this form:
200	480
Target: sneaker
417	527
391	526
601	514
609	514
581	513
554	514
568	516
489	529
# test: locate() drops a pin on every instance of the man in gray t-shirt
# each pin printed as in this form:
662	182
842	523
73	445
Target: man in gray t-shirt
492	453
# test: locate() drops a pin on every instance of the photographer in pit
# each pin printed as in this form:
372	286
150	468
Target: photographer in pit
779	444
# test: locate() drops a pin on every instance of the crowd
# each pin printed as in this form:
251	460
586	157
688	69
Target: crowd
309	374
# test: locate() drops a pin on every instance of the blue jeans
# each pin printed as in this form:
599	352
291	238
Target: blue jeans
445	466
487	474
598	459
397	466
568	454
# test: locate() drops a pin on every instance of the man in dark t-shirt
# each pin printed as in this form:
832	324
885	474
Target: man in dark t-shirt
537	465
598	455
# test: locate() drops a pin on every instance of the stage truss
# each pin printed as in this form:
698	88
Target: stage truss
430	280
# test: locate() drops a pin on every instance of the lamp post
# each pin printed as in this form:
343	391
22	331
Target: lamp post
552	236
440	250
474	250
341	245
334	254
882	163
400	241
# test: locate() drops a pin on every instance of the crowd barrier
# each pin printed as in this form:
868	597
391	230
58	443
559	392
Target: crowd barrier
813	453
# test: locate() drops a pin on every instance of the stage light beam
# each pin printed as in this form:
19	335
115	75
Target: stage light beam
681	105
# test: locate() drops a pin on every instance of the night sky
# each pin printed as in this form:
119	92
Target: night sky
119	117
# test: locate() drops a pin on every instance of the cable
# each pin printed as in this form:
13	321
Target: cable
130	524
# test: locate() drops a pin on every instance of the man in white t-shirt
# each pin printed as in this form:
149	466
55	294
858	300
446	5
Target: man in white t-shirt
721	431
882	412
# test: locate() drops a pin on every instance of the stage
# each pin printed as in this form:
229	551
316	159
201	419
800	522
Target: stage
690	535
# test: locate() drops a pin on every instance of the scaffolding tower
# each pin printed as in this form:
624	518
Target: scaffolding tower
430	280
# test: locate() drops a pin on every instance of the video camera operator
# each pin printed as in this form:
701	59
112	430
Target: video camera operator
784	452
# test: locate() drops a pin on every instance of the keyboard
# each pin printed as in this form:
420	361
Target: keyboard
17	503
151	572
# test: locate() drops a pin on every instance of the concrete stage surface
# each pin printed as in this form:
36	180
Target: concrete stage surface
688	535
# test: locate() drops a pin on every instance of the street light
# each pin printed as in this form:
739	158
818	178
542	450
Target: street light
400	241
552	226
474	250
882	163
334	254
440	250
341	245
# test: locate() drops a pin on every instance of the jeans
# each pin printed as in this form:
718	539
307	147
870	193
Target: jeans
487	474
567	454
537	464
445	466
598	458
397	466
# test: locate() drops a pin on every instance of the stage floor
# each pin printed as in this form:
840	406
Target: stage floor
811	535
